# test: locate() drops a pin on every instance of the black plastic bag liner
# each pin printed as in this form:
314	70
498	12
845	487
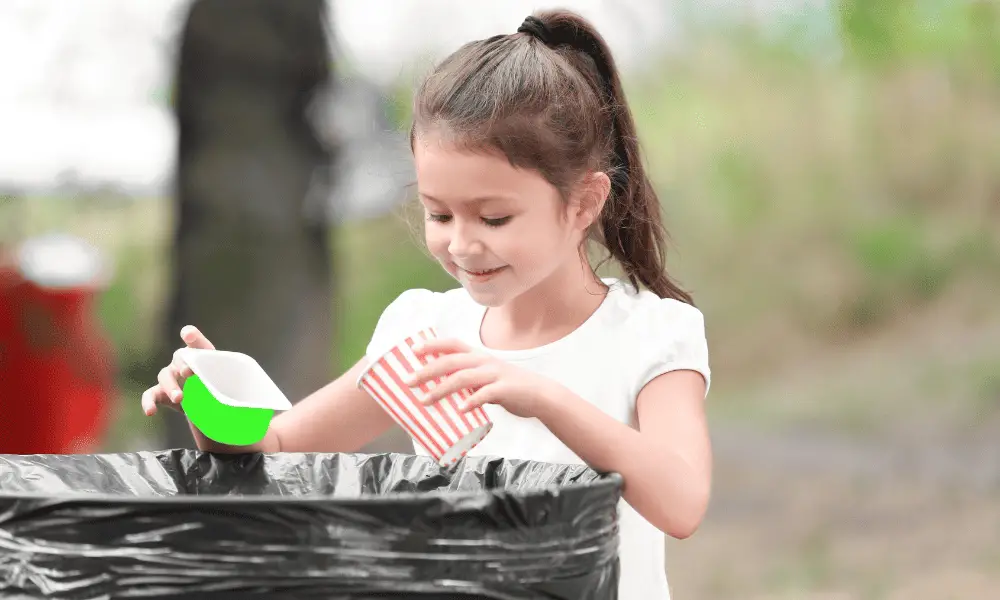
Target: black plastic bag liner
187	524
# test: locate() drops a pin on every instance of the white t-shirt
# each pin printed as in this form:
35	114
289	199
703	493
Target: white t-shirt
629	340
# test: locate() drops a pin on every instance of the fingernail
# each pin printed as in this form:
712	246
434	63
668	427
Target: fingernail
175	395
418	347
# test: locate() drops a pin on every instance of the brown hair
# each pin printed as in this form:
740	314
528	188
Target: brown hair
549	98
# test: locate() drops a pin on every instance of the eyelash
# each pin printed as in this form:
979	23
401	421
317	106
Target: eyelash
499	222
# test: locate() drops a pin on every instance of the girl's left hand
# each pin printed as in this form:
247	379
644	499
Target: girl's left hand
491	380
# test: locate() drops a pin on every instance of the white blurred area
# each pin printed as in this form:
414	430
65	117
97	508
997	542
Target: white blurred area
84	105
386	38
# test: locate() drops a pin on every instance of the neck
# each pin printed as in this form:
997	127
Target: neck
547	312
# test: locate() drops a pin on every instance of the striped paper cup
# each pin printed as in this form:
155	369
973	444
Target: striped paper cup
446	433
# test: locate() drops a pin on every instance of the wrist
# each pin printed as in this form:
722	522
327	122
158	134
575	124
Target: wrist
552	401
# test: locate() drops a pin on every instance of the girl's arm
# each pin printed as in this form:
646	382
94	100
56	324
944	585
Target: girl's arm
336	418
666	464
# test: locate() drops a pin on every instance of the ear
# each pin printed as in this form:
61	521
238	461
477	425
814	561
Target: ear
591	194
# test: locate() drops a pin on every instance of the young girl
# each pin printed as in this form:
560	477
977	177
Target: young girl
525	150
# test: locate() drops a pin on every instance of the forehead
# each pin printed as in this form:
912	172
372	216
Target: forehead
447	173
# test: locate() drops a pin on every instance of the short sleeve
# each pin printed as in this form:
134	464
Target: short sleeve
673	339
410	312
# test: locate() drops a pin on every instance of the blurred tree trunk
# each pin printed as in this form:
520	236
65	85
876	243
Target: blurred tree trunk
249	268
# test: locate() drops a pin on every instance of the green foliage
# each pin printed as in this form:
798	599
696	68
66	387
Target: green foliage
741	185
885	32
874	31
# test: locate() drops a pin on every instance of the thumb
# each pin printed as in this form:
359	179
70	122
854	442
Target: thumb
195	339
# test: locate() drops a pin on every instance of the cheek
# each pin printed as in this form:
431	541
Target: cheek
556	235
436	241
541	247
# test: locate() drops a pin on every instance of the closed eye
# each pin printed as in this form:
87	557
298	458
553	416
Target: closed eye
489	222
497	222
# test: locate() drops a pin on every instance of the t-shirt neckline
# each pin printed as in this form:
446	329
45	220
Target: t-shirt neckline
480	315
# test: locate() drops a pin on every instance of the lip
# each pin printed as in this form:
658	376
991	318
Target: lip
480	276
478	272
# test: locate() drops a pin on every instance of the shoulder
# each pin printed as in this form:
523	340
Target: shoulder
666	334
412	311
647	312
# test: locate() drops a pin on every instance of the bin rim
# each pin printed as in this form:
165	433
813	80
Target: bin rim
610	481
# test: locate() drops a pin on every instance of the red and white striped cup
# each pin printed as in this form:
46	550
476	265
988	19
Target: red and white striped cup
441	428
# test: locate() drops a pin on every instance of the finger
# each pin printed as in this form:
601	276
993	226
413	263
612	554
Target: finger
168	383
480	397
149	400
440	367
469	379
181	369
152	398
194	338
440	346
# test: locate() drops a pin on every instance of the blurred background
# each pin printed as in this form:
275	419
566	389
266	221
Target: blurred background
830	172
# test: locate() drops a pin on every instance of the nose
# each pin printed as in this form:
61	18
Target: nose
464	241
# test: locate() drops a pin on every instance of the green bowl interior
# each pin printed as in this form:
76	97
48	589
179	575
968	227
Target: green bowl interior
235	426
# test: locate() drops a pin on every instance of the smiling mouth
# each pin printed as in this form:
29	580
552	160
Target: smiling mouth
480	273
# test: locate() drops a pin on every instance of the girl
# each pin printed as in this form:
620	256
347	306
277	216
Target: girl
525	150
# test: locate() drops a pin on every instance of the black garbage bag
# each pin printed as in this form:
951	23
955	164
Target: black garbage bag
187	524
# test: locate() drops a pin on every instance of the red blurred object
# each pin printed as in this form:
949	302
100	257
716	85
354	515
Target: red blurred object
57	367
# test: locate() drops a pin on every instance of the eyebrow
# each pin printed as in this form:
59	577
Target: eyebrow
474	200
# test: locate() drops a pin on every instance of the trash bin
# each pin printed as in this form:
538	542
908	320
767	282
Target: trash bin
57	365
188	524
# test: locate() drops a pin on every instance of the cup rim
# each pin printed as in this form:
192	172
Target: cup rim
373	361
280	403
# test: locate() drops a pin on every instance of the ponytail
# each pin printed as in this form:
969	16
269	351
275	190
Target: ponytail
631	226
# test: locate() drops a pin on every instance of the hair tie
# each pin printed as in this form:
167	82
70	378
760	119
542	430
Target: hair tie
534	27
577	39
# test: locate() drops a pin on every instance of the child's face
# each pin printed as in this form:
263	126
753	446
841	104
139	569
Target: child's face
498	230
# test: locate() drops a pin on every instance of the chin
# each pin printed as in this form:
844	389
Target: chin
489	299
492	296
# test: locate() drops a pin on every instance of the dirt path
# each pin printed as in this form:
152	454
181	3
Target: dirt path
807	515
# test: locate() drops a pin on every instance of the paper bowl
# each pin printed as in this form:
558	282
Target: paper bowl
232	425
229	398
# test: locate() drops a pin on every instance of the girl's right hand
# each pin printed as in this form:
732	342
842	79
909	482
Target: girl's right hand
170	380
